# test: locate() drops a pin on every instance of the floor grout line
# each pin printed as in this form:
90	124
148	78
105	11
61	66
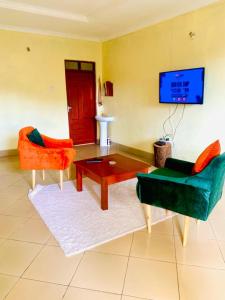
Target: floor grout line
92	290
20	277
73	275
217	241
175	252
12	287
127	265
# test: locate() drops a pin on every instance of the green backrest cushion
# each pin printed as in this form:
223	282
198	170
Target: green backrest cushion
214	173
35	137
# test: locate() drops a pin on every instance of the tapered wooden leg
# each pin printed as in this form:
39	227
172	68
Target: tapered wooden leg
149	217
33	178
104	195
186	228
61	179
68	173
166	212
43	174
79	179
197	221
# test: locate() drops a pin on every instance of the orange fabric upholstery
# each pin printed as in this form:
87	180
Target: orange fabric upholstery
57	155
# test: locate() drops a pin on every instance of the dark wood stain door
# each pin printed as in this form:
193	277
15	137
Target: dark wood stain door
80	87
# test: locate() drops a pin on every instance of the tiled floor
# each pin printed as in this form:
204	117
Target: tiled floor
135	267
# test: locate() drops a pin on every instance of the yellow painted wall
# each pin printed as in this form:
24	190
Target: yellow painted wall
133	63
32	84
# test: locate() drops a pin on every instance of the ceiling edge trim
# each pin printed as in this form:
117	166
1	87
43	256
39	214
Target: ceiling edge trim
48	33
44	11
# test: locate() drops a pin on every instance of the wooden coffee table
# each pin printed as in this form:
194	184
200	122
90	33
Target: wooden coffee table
112	169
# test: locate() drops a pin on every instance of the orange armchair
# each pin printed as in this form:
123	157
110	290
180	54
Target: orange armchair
57	155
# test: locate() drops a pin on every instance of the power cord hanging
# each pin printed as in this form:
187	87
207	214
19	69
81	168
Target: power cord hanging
178	124
169	119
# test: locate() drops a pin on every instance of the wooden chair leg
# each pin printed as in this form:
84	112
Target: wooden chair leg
186	228
197	221
43	174
68	173
33	178
166	212
61	179
149	217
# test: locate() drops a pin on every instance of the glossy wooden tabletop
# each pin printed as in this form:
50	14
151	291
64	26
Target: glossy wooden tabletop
113	164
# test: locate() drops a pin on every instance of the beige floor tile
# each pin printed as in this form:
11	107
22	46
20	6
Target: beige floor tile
32	231
52	241
151	280
5	201
165	227
82	294
131	298
36	290
103	272
160	247
8	224
199	253
25	198
19	209
35	215
119	246
219	210
218	225
16	256
201	283
6	283
7	180
53	266
18	189
201	231
222	248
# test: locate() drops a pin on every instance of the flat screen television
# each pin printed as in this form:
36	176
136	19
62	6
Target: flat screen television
182	86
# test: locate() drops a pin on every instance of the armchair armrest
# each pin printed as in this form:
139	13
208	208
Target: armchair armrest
57	143
179	165
192	181
151	177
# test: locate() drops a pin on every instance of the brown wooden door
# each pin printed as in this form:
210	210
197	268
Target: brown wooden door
80	87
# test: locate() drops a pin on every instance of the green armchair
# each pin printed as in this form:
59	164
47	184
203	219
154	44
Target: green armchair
175	188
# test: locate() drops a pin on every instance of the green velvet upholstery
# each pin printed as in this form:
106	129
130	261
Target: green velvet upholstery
175	189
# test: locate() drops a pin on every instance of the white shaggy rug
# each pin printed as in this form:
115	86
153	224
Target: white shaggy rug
76	219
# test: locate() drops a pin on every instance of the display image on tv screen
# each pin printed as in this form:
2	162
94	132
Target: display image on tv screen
182	86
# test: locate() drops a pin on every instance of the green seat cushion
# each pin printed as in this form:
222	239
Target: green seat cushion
35	137
169	173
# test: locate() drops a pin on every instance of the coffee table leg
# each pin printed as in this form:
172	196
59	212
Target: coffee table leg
79	179
104	195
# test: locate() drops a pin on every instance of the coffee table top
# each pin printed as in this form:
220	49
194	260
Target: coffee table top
123	165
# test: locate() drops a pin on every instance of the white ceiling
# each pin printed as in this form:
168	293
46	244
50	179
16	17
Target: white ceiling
90	19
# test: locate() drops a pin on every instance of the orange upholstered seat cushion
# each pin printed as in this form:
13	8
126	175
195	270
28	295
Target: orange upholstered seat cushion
206	156
57	154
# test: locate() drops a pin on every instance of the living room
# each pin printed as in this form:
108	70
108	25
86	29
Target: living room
33	93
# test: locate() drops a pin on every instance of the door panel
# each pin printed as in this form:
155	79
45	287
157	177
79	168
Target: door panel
80	87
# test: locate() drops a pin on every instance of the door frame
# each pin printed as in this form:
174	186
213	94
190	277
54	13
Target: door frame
94	75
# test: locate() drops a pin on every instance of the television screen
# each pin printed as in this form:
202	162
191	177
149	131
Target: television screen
182	86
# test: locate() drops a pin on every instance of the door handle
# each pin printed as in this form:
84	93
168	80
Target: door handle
69	108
